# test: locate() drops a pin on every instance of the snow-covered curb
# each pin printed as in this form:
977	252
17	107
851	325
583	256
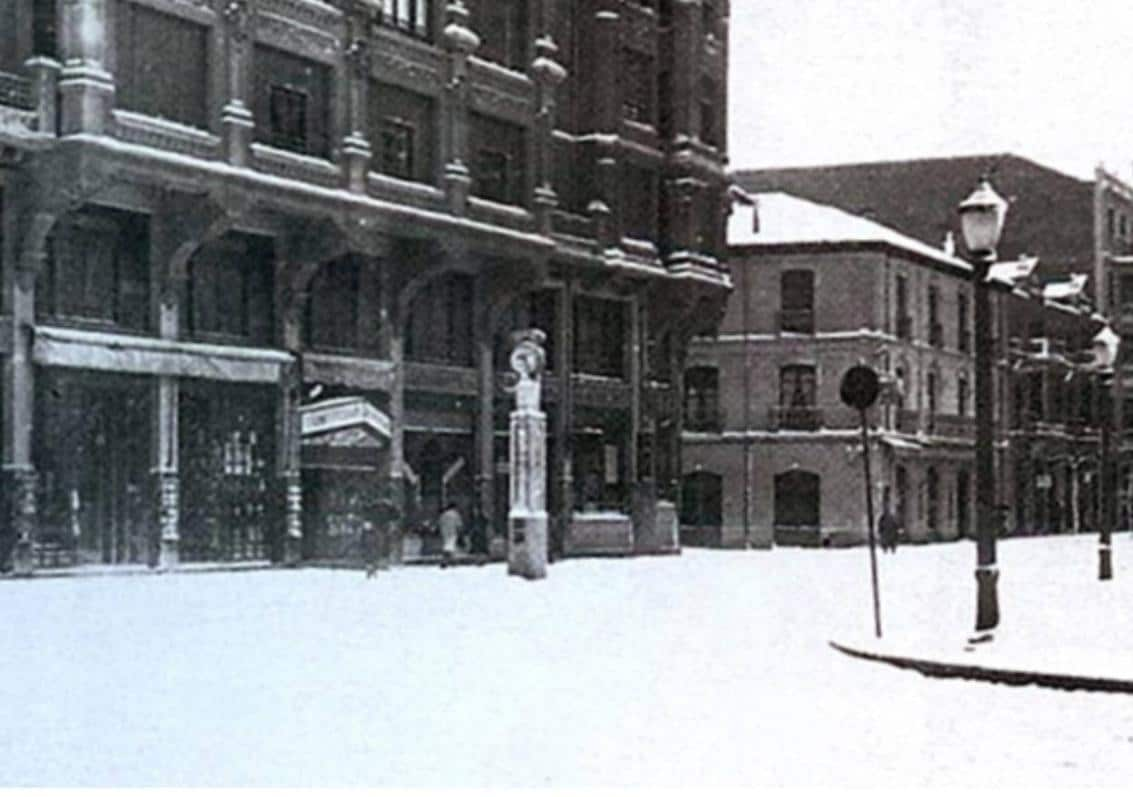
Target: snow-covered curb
996	670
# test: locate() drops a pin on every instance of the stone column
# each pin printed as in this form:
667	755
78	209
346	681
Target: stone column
485	418
356	152
86	89
19	388
460	41
236	119
397	430
290	396
547	74
166	472
564	417
527	517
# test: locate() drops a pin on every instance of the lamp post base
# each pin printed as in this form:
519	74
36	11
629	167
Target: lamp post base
1105	562
987	597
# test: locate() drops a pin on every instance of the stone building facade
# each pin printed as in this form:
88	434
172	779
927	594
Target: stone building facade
772	455
261	258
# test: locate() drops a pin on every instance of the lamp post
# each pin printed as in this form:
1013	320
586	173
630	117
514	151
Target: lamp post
981	220
1105	345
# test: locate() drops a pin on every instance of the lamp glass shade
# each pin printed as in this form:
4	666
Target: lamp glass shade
981	218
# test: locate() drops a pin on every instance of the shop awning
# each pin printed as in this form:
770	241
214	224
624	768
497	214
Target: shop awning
103	351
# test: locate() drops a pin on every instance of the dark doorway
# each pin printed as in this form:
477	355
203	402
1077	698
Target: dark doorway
798	508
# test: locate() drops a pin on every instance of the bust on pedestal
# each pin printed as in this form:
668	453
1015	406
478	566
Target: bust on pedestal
527	517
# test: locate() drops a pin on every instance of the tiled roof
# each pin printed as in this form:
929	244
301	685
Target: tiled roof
785	220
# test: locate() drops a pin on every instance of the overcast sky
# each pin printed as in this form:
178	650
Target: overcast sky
834	81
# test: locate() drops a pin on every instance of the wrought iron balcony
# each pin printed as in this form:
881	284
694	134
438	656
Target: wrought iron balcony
16	92
799	418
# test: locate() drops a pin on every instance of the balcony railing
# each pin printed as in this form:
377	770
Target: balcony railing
15	92
805	419
703	419
797	321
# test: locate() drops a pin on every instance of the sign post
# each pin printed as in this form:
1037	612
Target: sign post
859	389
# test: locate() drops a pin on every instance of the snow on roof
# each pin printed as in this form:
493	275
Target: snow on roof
1014	271
1073	288
780	218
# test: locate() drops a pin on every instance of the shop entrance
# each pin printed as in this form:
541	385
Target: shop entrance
93	458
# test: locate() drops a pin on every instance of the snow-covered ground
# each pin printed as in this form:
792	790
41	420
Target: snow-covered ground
711	668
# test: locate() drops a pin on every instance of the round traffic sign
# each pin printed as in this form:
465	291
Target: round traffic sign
860	386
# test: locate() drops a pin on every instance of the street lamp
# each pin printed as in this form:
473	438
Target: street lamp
981	221
1105	345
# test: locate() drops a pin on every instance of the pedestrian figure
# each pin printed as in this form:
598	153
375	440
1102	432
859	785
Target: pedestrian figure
889	529
370	548
451	525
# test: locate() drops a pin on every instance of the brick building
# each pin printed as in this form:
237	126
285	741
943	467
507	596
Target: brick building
772	456
261	257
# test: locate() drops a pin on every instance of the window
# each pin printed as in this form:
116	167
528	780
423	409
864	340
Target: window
292	102
702	399
639	203
962	396
499	150
665	104
796	300
935	329
162	65
797	386
502	26
904	322
44	28
402	124
1125	299
797	394
230	289
930	400
963	334
98	269
708	17
408	16
798	501
1110	223
440	322
638	87
600	336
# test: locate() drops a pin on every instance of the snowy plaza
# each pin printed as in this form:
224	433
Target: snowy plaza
710	668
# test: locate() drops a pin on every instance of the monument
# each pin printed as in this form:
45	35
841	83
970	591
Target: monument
527	516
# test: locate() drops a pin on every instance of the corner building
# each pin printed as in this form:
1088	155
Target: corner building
262	257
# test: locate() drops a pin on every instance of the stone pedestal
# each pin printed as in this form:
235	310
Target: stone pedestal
527	517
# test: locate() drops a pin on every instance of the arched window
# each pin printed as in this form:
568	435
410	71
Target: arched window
343	308
702	395
796	301
702	499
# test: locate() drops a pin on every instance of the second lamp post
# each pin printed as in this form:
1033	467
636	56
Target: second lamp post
981	221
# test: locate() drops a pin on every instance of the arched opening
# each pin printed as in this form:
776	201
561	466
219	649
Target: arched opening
798	508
